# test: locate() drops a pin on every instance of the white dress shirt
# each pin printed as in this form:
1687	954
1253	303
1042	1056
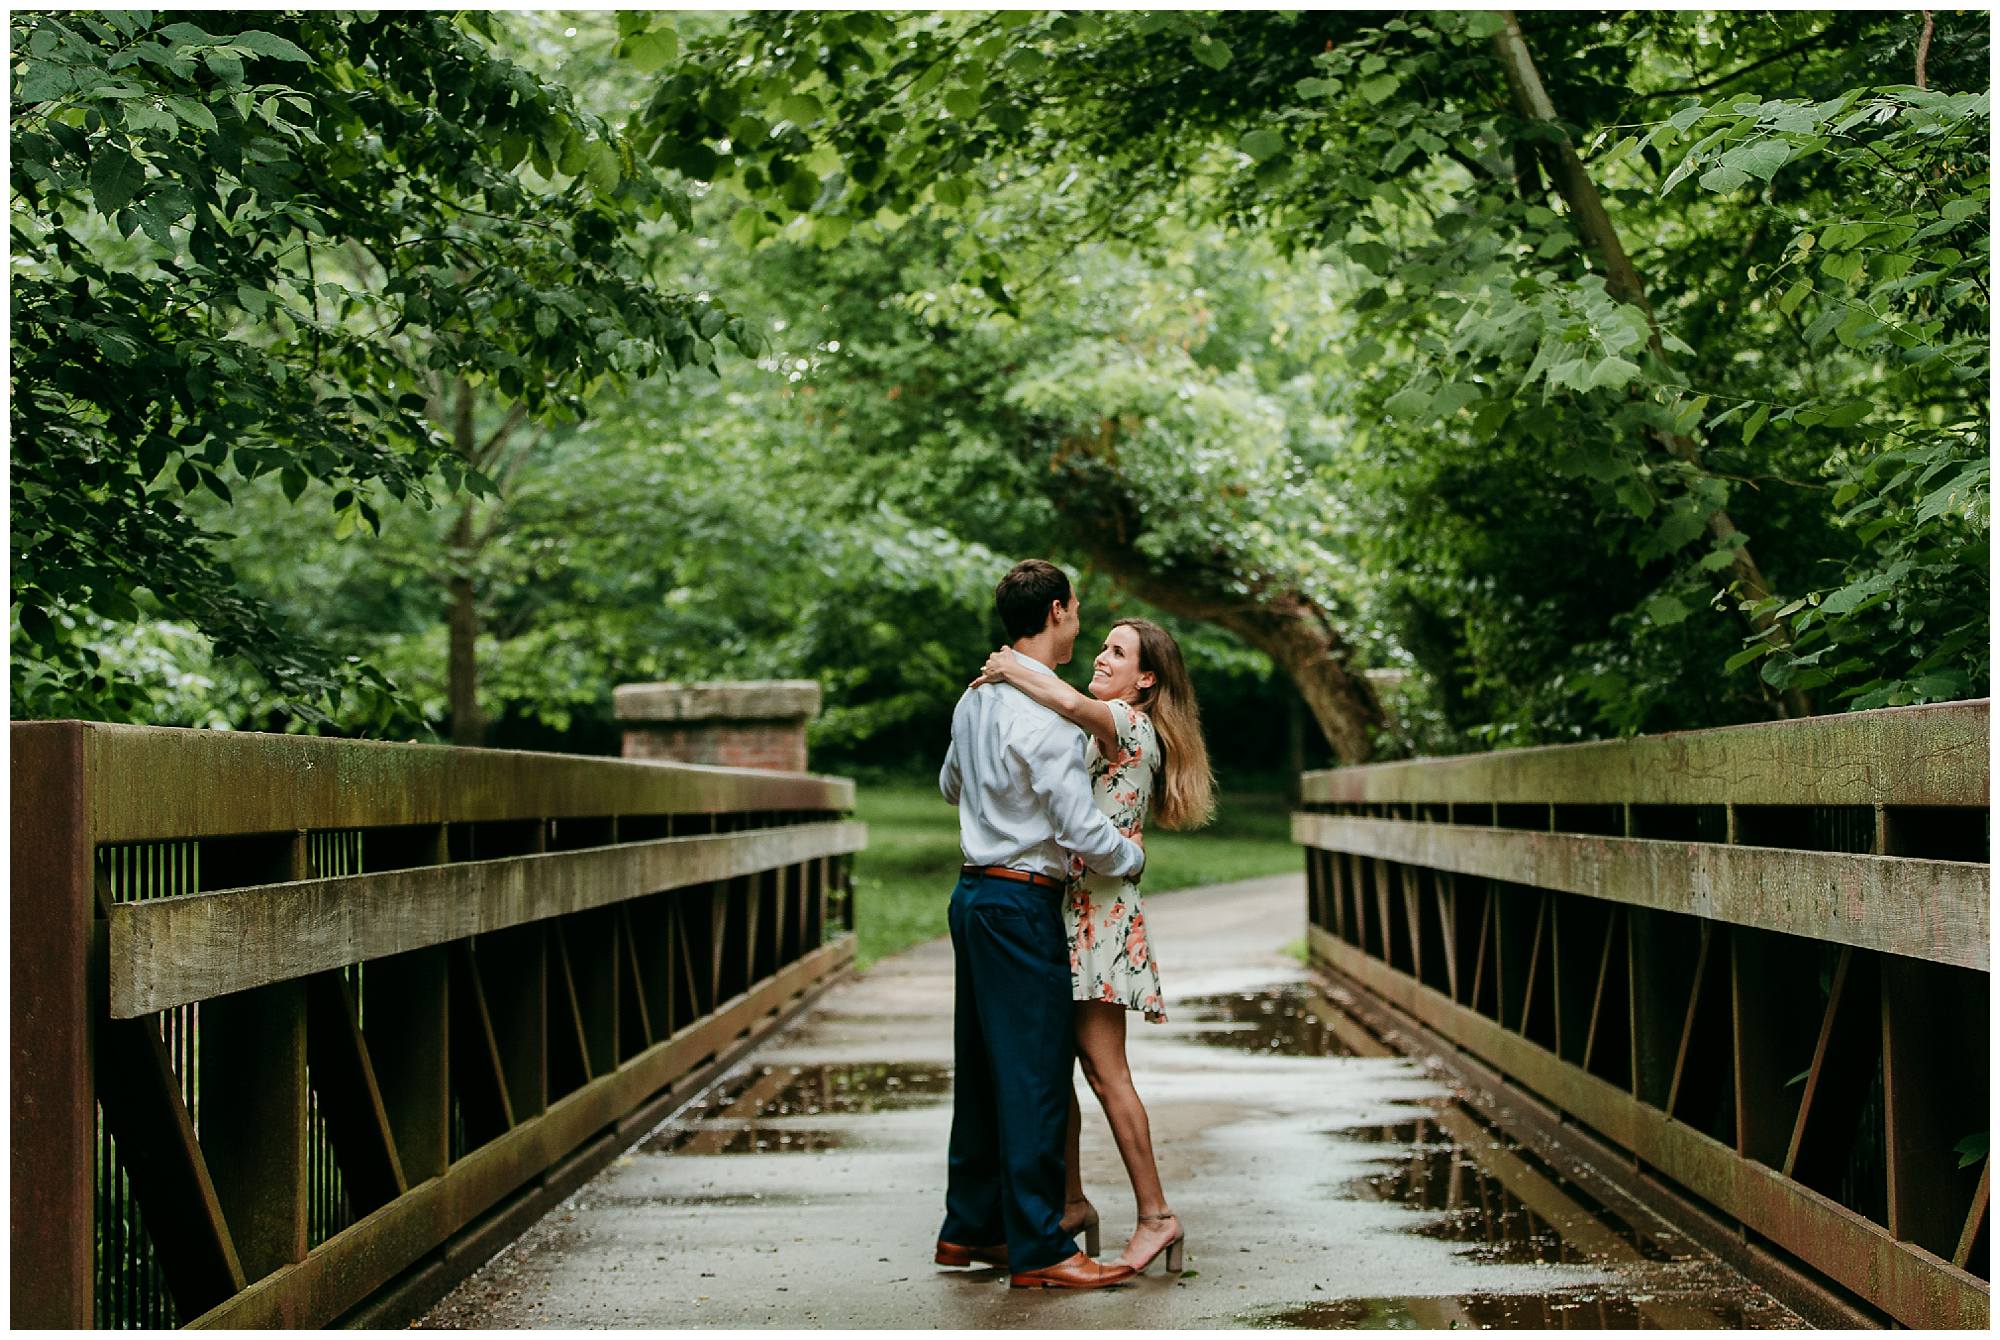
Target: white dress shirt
1015	770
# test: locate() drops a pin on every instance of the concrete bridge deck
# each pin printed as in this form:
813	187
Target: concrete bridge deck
1320	1186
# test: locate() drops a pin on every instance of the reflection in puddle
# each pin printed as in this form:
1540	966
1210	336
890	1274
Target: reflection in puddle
1291	1020
739	1116
1574	1310
1468	1183
750	1138
1484	1200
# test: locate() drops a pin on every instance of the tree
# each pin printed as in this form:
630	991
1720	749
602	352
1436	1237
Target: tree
269	252
1513	315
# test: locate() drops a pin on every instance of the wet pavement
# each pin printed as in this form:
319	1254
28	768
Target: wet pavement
1323	1183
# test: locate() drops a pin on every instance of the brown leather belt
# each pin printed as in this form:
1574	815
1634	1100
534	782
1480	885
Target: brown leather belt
1022	876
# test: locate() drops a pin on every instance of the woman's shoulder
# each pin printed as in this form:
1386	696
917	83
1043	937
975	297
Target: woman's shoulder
1135	729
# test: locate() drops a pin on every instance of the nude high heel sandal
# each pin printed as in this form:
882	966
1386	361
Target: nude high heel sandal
1087	1225
1174	1249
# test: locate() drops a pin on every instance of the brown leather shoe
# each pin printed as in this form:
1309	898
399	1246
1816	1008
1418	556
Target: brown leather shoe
952	1254
1078	1272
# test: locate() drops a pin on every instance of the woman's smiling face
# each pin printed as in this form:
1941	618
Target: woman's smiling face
1115	673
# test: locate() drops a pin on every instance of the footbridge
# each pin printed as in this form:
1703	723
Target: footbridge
1686	1030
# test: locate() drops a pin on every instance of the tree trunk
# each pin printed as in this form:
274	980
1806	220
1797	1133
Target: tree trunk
462	663
1287	626
1622	281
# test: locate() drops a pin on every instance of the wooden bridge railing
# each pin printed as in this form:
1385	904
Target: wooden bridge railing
1754	958
296	1021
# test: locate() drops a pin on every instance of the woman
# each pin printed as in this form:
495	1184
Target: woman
1145	753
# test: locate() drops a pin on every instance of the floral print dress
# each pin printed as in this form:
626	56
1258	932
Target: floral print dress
1110	959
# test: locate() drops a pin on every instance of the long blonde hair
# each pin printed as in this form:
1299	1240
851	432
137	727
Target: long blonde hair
1186	798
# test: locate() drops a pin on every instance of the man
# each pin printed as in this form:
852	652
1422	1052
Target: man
1016	772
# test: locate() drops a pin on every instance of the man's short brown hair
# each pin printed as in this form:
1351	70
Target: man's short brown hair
1024	595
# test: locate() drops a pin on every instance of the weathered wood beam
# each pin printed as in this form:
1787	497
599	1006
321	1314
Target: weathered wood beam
1932	755
253	1092
167	951
227	782
357	1123
408	997
52	1119
1924	1065
1843	1063
476	1073
635	1014
141	1098
1933	910
345	1269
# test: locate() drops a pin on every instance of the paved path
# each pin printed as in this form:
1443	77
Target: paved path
1319	1188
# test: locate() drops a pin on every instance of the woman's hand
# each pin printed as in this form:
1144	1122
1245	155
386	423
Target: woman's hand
999	667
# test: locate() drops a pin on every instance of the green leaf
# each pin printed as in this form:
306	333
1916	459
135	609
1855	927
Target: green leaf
270	44
1747	655
1482	24
1262	144
1453	397
801	108
1666	611
652	50
293	480
1761	159
1855	595
1755	424
1211	52
1380	87
1317	88
602	166
1722	179
42	81
1411	402
830	230
1715	560
747	226
1374	255
962	103
1954	495
115	177
1613	372
226	68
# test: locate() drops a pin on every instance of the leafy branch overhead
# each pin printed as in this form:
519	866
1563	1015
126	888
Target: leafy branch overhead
262	252
1494	236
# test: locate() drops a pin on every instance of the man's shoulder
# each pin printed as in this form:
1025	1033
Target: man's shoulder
1029	725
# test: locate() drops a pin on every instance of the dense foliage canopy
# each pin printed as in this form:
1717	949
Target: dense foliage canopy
1600	372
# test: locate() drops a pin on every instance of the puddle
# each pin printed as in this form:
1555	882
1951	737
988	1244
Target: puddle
1480	1200
741	1114
750	1139
1291	1020
1574	1310
716	1200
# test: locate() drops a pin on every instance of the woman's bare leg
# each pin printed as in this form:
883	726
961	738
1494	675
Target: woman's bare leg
1100	1044
1073	1169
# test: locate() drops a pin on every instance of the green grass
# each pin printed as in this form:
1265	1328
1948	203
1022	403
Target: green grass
903	880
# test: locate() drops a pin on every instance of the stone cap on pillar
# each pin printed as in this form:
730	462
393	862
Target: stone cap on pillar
727	700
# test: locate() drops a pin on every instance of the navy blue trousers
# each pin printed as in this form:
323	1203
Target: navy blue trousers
1013	1047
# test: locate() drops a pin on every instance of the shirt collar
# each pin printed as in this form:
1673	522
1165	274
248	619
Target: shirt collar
1032	663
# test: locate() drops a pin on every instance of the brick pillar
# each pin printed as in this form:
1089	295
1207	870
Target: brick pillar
741	724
